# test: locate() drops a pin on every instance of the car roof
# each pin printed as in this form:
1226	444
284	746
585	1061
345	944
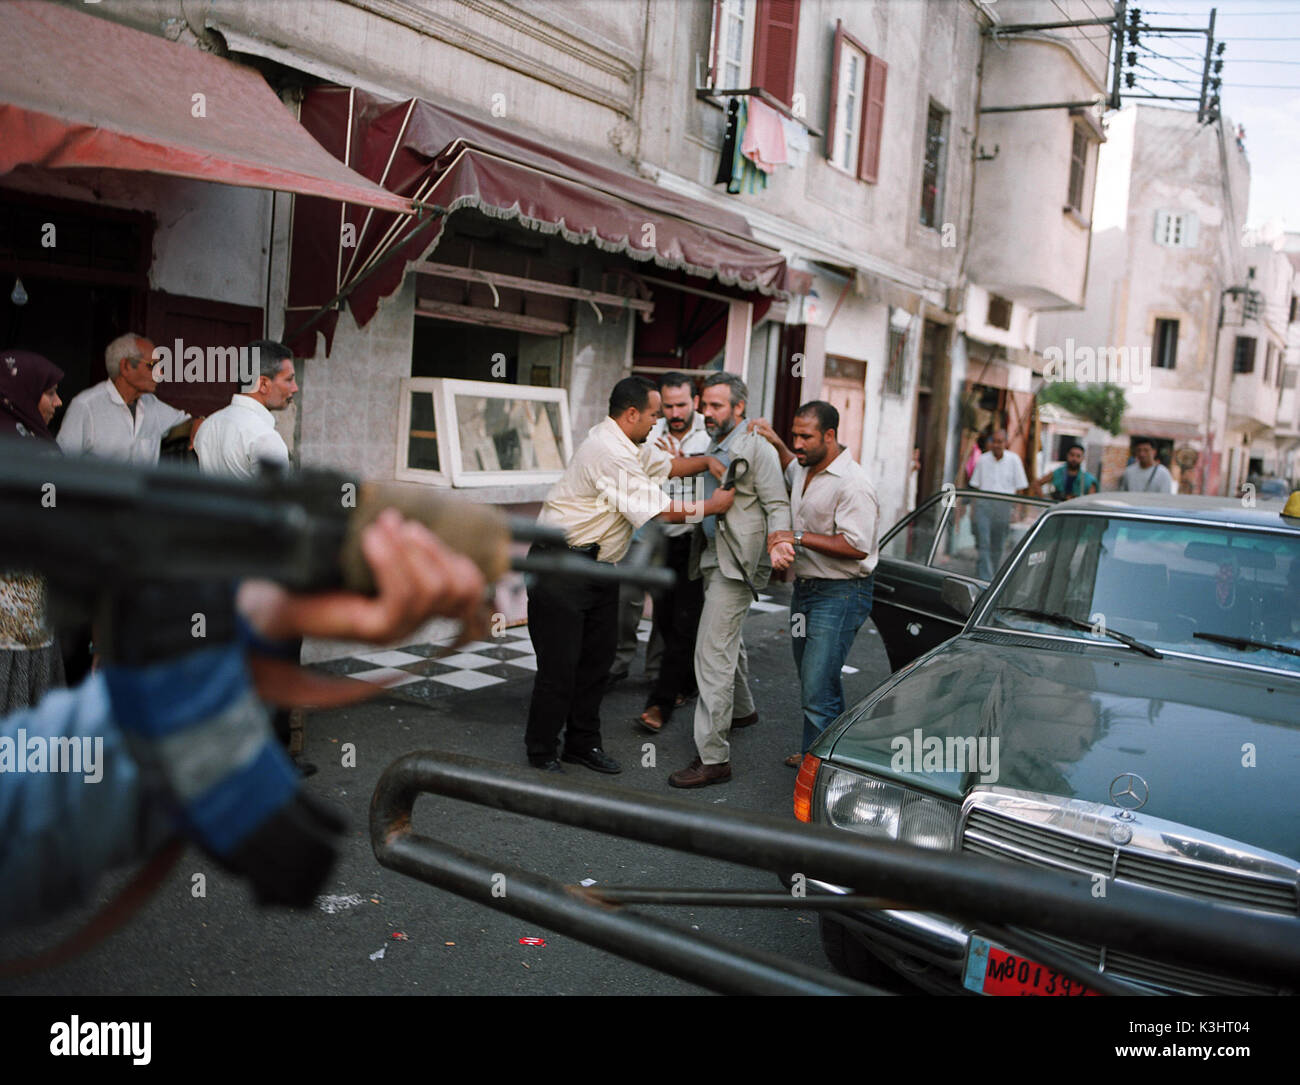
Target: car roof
1266	512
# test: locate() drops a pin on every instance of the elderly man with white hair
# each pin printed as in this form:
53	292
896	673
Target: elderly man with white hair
120	418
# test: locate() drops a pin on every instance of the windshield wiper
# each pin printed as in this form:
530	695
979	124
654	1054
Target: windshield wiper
1242	642
1087	627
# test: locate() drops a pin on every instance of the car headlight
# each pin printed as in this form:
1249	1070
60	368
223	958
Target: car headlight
874	807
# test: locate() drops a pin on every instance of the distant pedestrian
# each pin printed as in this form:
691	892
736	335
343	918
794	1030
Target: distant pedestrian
120	418
835	518
1147	475
30	662
999	473
1070	479
612	485
237	438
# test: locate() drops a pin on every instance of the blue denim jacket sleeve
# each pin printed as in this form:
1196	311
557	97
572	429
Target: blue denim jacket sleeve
60	830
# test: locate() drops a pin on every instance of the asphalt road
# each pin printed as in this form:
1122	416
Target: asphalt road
222	943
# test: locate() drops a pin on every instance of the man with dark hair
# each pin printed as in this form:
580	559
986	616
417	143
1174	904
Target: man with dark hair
1148	474
835	516
610	488
681	432
1070	479
734	556
235	439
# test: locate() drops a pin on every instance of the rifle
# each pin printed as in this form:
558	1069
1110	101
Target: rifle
85	523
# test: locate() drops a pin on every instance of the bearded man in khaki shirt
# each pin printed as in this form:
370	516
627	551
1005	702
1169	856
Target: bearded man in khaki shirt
610	488
834	512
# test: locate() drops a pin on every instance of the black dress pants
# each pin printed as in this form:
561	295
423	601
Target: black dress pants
677	617
574	628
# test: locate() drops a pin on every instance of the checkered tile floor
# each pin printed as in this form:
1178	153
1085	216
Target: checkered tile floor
411	671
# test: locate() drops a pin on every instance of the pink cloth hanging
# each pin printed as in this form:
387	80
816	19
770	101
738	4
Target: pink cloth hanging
764	142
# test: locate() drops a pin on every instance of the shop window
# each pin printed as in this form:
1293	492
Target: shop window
481	433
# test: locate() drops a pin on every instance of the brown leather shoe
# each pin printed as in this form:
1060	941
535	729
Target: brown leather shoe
794	760
698	774
745	721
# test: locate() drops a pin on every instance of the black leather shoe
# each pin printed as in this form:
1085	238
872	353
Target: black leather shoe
553	765
745	721
305	768
596	759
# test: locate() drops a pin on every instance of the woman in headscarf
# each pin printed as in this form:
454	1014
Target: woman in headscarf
30	662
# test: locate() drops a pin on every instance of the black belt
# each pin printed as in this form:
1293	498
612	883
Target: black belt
590	550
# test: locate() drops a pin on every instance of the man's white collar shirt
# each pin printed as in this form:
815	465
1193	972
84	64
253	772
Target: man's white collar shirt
234	439
610	488
695	442
99	423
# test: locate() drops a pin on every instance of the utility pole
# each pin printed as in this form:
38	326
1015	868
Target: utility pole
1203	113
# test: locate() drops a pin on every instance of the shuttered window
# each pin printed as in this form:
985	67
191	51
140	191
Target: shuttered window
776	37
857	107
873	119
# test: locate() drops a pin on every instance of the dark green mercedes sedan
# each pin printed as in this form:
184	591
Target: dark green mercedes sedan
1123	701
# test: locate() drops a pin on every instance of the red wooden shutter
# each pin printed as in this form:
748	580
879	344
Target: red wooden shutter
835	88
873	118
776	36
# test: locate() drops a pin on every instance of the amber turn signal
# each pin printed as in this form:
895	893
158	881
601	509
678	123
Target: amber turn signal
803	787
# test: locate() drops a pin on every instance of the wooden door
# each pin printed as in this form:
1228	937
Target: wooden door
844	386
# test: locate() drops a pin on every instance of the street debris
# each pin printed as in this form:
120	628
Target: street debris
335	903
587	881
532	941
378	954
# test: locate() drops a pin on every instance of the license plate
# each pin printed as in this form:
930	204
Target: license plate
992	970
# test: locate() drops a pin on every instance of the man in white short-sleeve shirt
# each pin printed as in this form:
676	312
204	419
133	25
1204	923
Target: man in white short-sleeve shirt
235	439
612	486
999	473
120	418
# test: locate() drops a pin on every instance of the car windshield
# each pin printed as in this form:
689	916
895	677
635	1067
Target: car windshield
1221	592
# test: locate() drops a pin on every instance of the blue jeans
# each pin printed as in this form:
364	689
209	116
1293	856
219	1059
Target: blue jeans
832	612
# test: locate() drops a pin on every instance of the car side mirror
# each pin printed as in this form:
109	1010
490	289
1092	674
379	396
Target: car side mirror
960	595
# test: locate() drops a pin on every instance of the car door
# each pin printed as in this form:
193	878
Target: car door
937	541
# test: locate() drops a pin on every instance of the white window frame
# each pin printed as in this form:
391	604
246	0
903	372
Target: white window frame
1176	229
849	110
728	13
453	472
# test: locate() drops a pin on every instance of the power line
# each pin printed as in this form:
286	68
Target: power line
1105	55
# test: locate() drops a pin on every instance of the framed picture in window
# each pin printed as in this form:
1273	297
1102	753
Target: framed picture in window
482	433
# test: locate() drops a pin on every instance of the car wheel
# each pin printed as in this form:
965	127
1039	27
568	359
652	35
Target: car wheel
849	958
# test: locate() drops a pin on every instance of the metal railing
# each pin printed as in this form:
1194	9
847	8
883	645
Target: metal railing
997	896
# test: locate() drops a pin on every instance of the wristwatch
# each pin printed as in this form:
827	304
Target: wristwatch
798	540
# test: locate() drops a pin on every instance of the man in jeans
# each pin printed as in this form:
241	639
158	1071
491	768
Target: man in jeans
996	472
834	514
